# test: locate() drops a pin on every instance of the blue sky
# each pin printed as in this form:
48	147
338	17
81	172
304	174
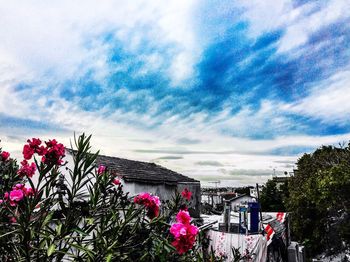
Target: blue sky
214	89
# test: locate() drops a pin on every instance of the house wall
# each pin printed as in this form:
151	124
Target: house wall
241	200
164	192
195	188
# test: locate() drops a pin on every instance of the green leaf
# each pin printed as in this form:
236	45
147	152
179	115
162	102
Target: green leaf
58	229
109	257
48	218
90	220
51	250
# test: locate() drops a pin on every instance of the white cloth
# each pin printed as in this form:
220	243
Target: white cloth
252	246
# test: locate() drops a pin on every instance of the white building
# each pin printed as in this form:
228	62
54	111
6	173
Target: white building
137	177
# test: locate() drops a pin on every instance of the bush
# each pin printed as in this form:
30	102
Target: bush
319	200
85	215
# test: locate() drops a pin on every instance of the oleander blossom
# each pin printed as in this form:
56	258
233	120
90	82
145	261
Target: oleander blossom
116	182
5	155
17	194
186	194
54	153
51	154
101	169
151	203
184	233
31	148
183	217
28	152
26	169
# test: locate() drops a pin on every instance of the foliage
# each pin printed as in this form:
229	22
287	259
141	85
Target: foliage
85	215
272	197
319	200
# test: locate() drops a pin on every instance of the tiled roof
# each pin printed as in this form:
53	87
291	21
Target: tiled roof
143	172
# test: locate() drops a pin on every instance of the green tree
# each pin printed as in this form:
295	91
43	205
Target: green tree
319	200
272	198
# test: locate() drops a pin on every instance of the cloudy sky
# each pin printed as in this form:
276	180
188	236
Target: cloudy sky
225	90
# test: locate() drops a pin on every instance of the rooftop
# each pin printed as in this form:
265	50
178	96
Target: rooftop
143	172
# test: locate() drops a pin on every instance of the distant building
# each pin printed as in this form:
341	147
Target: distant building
239	201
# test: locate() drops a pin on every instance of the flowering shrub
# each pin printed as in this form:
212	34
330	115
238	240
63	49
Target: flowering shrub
84	214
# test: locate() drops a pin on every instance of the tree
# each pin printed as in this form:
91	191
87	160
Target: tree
319	200
272	198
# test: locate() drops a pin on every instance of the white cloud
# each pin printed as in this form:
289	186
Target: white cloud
298	22
327	102
62	38
298	30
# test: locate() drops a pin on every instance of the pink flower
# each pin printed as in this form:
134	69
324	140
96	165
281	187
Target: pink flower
177	229
186	194
28	152
16	196
5	155
26	169
19	191
101	169
116	182
183	217
151	203
184	236
184	233
18	186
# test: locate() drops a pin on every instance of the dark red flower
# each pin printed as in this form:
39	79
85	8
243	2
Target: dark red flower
151	203
186	194
41	150
34	143
28	152
5	155
26	169
54	153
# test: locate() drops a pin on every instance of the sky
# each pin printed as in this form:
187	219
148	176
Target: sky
216	90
